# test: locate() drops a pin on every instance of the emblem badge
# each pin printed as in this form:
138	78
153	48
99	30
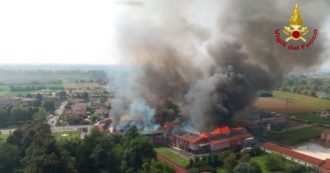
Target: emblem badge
295	30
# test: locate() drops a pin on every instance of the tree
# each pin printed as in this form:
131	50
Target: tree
40	115
45	155
62	95
19	113
155	166
38	150
8	158
230	162
38	101
49	106
4	116
256	166
135	151
274	162
243	167
245	157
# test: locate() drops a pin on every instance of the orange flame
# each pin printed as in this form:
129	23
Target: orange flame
219	131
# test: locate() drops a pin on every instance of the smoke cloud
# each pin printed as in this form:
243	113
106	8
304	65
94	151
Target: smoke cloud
206	60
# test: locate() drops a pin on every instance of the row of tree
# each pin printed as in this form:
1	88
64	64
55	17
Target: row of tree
15	88
243	163
20	114
306	85
33	149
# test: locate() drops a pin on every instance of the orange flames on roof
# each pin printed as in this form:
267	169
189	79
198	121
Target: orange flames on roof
219	131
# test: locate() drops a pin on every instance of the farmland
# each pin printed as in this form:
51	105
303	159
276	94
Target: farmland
296	136
312	118
21	83
311	103
294	103
273	104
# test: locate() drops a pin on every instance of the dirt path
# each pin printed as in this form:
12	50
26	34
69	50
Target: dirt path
178	169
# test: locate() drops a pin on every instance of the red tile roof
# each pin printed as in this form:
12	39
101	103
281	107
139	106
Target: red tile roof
190	139
195	139
291	153
325	167
230	138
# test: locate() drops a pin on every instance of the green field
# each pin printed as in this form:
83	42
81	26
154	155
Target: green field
311	103
19	78
62	136
313	118
296	136
172	156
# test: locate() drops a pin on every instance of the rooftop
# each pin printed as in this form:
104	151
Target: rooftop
291	153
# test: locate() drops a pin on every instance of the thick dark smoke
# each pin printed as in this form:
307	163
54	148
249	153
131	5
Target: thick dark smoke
211	58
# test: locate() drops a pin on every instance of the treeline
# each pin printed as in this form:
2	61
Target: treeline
302	84
14	88
33	149
244	163
19	114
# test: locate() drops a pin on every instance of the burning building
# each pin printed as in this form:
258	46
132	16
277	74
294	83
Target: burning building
219	139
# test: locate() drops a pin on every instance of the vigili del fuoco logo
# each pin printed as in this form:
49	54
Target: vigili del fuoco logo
295	33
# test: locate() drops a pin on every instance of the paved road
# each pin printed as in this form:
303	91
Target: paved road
58	112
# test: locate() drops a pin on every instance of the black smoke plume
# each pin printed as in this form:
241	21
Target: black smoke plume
210	58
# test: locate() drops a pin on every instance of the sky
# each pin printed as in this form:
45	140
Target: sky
61	31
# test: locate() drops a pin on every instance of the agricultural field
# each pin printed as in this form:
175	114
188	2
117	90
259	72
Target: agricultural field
311	103
296	136
172	156
290	102
272	104
312	118
21	83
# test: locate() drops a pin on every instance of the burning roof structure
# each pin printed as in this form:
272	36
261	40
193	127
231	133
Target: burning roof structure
218	139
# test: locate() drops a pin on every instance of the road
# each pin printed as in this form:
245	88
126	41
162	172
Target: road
58	112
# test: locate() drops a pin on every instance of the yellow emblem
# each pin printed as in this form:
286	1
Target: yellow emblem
295	30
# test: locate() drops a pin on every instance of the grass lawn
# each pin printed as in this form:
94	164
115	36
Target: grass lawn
261	160
312	103
221	170
62	136
172	156
3	138
296	136
313	118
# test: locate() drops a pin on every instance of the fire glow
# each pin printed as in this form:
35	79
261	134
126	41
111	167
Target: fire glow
219	131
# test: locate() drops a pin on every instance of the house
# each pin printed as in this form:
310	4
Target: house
325	136
294	156
28	101
105	126
78	109
102	112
